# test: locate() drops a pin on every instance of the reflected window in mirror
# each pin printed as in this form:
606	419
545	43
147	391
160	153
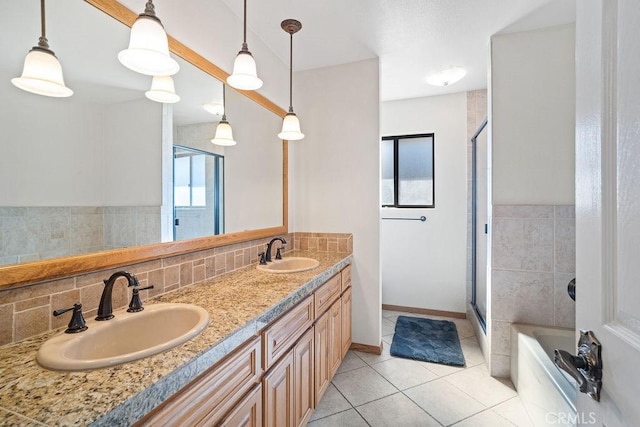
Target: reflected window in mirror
198	193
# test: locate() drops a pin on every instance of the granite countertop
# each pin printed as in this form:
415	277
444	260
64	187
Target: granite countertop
240	303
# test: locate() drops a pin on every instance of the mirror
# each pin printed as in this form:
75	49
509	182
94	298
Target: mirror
94	172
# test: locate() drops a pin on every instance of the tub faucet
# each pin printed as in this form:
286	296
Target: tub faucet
268	252
105	309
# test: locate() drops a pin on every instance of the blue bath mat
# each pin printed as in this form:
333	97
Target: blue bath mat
427	340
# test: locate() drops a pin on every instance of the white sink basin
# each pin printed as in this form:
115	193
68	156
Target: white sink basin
290	265
127	337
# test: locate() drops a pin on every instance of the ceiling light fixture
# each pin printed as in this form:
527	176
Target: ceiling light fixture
213	108
42	72
162	90
290	123
224	133
148	51
245	75
447	76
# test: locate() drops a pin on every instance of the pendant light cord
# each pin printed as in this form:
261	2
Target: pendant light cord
291	72
42	41
244	35
224	102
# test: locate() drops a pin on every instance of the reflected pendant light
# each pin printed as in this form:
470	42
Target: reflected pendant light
291	124
42	73
224	133
162	90
148	51
245	75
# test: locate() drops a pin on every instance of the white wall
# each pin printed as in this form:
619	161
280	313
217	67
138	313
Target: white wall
132	154
533	109
57	162
424	264
335	172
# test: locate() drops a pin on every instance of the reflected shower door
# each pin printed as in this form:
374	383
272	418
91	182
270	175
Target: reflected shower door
197	193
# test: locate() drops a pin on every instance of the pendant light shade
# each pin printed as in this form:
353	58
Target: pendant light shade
162	90
42	72
291	128
245	75
290	123
148	51
224	133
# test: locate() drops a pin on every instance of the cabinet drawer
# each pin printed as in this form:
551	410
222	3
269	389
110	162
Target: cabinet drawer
327	294
248	412
284	332
210	396
346	278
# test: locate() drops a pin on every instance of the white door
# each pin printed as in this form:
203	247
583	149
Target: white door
608	202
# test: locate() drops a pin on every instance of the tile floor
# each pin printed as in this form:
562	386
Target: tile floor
382	390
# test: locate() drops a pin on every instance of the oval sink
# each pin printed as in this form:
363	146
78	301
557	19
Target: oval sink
290	265
127	337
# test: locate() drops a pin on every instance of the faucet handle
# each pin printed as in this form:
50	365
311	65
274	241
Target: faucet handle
263	258
278	254
77	323
136	303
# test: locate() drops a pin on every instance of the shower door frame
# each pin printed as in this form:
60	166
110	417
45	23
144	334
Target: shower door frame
474	226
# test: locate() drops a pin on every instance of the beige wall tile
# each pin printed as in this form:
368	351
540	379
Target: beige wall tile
31	322
230	261
33	291
186	274
6	324
32	303
90	296
171	276
198	273
156	278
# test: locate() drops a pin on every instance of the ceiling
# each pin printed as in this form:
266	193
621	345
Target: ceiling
412	38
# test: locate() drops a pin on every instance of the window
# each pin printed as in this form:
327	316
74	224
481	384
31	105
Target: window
407	171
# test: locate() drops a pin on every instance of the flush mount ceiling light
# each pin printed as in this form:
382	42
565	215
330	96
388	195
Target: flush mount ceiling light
213	108
245	75
447	76
162	90
148	51
291	124
224	133
42	72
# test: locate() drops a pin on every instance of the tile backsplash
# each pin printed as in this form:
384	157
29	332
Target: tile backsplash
26	311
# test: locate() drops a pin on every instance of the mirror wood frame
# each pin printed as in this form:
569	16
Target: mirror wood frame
15	275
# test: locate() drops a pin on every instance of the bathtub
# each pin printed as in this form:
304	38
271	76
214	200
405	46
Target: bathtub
548	394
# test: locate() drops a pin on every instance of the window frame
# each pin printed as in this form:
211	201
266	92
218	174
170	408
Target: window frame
396	182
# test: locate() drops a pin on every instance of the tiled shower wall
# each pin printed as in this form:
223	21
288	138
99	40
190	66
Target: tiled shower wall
63	231
533	253
26	311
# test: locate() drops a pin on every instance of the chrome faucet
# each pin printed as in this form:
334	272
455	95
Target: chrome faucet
105	309
268	252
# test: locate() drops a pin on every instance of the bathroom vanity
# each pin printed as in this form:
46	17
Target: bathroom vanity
273	344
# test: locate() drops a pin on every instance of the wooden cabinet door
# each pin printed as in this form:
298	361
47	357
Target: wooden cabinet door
346	321
322	339
335	338
303	358
248	412
278	390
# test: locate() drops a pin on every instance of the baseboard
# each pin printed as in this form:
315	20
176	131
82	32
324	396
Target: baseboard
427	311
365	348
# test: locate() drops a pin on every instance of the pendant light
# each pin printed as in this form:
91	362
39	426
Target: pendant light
245	75
42	73
148	51
291	124
162	90
224	133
